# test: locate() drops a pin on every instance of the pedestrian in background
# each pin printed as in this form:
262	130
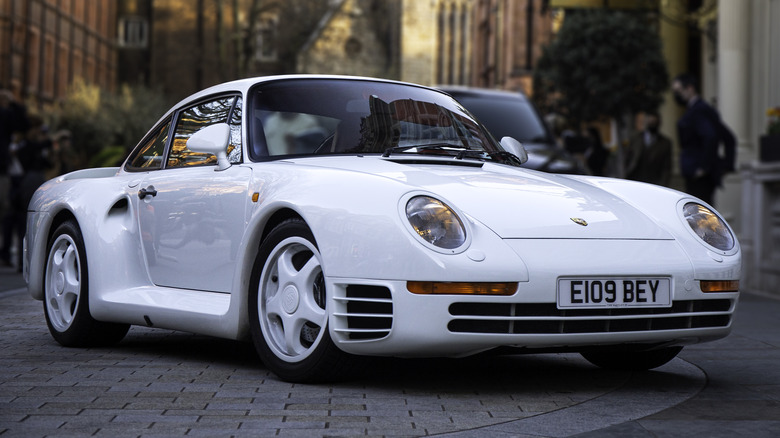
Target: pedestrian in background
701	132
64	158
13	127
650	154
596	156
31	155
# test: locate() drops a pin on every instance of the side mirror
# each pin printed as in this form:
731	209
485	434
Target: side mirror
212	140
511	145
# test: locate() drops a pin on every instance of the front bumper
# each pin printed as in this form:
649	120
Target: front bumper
370	317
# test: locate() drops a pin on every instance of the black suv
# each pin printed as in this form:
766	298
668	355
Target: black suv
511	114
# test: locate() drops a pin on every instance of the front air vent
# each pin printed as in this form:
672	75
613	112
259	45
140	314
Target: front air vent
368	312
543	318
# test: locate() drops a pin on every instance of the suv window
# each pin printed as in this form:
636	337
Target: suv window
149	155
196	118
513	117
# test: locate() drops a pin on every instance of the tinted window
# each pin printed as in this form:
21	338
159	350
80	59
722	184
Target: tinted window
191	121
149	154
351	116
507	117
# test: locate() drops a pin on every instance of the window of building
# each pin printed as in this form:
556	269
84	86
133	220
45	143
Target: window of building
265	40
78	64
62	69
133	32
440	37
49	67
33	64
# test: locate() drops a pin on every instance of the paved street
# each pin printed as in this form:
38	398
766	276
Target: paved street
165	383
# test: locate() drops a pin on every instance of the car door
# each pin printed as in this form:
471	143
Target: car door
191	215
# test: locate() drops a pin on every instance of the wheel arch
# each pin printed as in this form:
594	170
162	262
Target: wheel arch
39	248
259	232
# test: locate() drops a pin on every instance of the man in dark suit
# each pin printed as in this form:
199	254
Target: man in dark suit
700	132
649	157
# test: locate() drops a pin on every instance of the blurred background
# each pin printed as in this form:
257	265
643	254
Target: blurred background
97	74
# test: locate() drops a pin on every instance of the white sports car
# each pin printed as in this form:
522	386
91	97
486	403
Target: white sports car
332	218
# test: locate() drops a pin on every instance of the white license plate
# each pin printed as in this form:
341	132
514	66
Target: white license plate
594	293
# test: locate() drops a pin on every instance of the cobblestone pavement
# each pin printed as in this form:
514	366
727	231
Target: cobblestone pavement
165	383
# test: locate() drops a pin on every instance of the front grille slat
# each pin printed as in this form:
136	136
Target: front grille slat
546	318
368	312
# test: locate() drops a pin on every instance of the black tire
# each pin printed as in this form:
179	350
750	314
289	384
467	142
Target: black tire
627	360
66	294
287	316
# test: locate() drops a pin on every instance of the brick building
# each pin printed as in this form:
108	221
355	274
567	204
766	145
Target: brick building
422	42
487	43
46	44
509	37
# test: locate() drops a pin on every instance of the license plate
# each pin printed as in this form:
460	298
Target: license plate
594	293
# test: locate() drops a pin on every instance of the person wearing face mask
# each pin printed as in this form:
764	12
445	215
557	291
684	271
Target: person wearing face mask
650	154
700	132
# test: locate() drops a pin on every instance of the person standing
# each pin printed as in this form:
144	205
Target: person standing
650	154
700	132
13	126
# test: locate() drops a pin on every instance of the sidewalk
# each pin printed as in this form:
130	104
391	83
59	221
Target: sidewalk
11	281
164	383
742	392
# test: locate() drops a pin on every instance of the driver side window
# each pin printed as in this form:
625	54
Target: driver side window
198	117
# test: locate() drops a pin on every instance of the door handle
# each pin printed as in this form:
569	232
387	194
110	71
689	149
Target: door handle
149	191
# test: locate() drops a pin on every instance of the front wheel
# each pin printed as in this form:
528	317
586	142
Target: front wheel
287	308
66	294
627	360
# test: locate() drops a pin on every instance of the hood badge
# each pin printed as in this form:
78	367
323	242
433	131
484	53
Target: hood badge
579	221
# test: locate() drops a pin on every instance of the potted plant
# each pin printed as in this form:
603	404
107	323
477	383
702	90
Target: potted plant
770	143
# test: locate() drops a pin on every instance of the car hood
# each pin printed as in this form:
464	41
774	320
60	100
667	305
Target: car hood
547	157
516	203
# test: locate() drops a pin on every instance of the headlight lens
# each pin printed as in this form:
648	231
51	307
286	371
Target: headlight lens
435	222
708	226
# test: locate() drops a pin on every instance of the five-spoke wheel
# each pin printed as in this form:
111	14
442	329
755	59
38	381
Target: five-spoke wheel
287	307
66	293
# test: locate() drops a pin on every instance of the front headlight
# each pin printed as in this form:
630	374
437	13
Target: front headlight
435	222
708	226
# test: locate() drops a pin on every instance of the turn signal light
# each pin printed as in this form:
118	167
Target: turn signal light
720	285
441	288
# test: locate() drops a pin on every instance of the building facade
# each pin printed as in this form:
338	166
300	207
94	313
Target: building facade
425	42
509	37
46	44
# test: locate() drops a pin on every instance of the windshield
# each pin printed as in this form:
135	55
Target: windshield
335	116
507	117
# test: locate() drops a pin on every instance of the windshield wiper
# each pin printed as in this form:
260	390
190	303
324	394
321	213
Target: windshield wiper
423	148
503	157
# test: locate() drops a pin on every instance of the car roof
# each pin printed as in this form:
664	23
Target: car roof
243	85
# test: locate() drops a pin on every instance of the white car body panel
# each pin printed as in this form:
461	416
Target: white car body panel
195	223
519	225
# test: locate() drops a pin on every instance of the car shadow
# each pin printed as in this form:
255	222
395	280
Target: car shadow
549	373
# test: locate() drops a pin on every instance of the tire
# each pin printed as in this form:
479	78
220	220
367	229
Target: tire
287	308
627	360
66	294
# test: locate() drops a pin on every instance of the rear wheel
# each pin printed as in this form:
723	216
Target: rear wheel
66	294
287	308
627	360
